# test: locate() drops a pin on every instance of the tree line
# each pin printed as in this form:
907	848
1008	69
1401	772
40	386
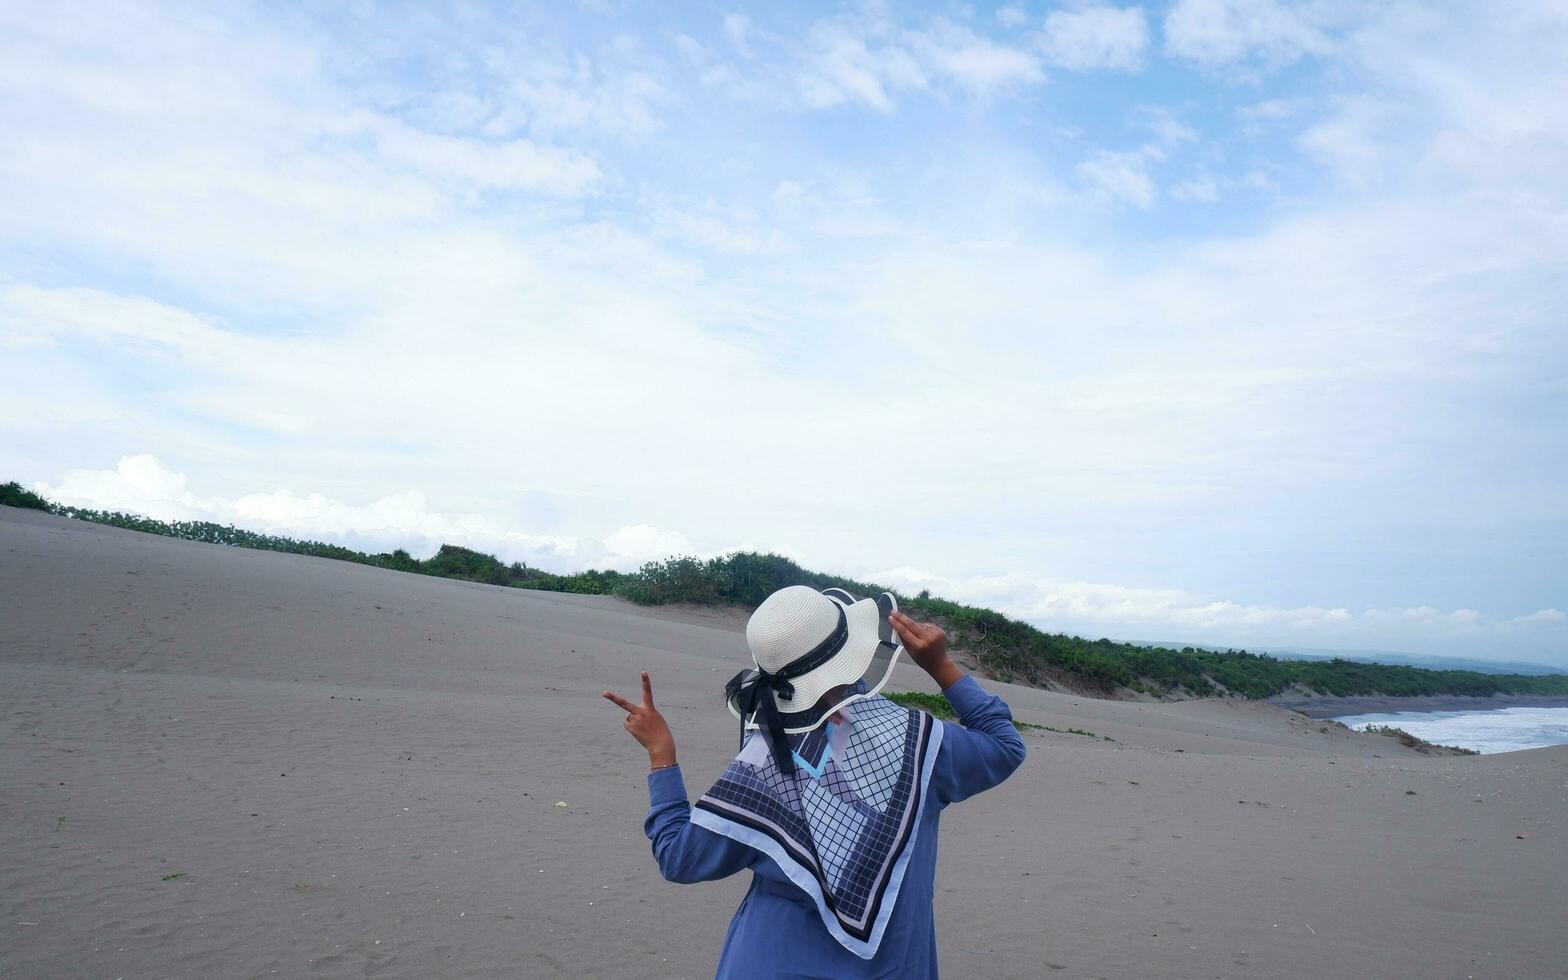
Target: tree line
1007	648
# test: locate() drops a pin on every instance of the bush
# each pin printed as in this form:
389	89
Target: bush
743	577
932	704
13	494
1415	742
678	580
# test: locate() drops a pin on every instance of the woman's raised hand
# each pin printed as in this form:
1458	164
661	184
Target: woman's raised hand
927	647
647	725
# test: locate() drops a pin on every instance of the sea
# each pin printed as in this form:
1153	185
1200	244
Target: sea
1493	730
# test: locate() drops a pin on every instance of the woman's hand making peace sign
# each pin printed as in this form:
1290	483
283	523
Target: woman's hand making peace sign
647	725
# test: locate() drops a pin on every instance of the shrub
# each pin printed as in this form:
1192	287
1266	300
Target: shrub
1416	742
13	494
932	704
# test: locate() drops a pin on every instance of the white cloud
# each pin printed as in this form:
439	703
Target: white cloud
517	164
843	67
139	485
1462	97
1119	176
1166	125
975	63
870	60
1174	615
268	282
552	96
1207	188
1123	176
1096	37
738	29
1260	115
1011	15
1541	617
32	315
1353	141
638	543
1220	32
707	225
480	75
1204	190
143	484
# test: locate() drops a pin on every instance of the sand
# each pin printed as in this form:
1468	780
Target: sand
217	762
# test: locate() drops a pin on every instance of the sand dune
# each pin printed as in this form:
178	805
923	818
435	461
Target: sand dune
231	763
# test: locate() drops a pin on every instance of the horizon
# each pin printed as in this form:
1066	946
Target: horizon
1235	320
1392	657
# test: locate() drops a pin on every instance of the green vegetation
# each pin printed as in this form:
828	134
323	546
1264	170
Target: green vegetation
1006	648
451	561
13	494
1076	731
1416	742
936	706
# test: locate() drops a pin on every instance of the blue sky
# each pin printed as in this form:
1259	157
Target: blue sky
1227	321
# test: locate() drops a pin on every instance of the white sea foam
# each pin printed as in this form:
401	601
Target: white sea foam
1495	730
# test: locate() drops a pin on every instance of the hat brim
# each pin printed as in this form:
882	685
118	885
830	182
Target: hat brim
861	668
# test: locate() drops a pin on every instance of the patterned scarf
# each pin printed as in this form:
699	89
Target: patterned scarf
843	824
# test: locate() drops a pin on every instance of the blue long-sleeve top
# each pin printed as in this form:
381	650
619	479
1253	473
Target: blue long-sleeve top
777	931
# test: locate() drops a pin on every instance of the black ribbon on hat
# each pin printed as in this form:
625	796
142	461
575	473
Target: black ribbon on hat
754	692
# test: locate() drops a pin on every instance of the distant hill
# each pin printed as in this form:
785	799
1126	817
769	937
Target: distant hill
1004	647
1478	665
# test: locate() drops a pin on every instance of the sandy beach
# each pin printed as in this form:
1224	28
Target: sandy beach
227	763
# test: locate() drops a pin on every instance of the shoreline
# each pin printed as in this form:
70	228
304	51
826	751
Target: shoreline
1332	707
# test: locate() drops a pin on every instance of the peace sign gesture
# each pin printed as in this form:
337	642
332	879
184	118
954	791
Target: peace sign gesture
647	725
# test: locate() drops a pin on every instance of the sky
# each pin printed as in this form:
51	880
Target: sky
1236	322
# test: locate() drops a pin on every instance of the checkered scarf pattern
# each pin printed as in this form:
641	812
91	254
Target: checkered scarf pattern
843	825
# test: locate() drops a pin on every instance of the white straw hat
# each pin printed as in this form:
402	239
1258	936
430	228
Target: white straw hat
851	640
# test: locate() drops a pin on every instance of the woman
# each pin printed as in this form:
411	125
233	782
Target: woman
833	800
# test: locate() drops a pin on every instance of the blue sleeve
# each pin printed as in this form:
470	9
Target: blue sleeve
685	851
983	752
